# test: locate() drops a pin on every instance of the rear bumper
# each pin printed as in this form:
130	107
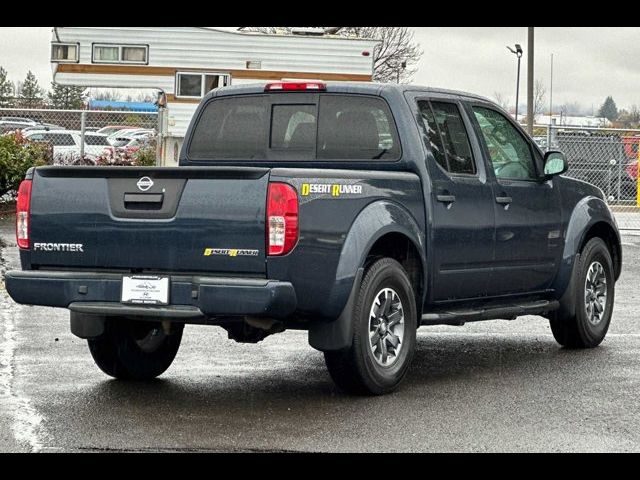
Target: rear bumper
190	296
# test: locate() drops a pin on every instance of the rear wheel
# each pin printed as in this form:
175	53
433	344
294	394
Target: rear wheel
136	350
384	333
594	288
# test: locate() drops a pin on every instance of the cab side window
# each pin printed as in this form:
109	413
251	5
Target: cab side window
510	153
447	137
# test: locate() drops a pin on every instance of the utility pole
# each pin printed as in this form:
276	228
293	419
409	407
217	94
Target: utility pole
530	48
551	92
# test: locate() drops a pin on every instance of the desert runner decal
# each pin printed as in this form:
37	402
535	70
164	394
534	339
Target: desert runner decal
230	252
334	189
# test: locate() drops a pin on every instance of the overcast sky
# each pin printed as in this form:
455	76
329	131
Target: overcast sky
589	63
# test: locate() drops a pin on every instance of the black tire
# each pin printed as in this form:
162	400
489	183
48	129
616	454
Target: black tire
578	331
135	350
355	370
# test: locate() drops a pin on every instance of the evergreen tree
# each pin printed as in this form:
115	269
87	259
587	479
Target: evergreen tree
608	109
66	96
6	89
30	92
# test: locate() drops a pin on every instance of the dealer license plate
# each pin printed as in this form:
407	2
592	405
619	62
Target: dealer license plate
145	289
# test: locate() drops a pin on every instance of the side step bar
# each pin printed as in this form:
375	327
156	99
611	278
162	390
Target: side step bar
463	315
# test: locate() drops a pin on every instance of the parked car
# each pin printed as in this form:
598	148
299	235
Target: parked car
541	142
600	159
43	126
357	212
111	129
66	145
7	126
123	147
18	120
131	132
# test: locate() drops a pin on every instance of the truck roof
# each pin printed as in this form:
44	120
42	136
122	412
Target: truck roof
371	88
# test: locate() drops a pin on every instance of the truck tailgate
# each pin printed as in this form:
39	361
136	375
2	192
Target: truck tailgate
189	219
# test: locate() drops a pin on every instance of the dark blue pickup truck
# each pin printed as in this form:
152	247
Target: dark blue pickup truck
355	211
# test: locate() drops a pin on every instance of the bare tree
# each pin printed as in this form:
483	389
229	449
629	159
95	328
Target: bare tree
394	59
539	92
634	114
502	100
571	108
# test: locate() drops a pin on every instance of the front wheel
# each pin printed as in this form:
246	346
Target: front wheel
384	333
594	288
135	350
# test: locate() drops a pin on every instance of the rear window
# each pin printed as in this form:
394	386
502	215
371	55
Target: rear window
60	139
120	142
293	127
231	128
274	127
356	128
95	140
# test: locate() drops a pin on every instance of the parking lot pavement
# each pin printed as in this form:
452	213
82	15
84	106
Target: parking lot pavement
629	220
488	386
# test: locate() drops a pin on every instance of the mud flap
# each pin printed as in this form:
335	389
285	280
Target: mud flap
87	326
337	334
567	307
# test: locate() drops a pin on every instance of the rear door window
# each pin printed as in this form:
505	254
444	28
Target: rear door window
448	137
433	138
356	128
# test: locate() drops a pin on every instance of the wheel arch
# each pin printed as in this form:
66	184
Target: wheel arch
376	231
607	233
590	218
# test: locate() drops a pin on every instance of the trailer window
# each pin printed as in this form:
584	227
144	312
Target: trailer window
231	128
198	84
189	85
105	53
64	52
134	54
113	53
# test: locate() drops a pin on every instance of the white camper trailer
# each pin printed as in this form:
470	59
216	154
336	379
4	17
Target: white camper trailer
184	63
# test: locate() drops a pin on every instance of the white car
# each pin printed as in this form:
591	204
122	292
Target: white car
66	145
131	132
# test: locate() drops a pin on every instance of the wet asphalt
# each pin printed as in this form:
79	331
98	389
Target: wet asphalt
488	386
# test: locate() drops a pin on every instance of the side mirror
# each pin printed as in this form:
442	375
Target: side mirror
555	163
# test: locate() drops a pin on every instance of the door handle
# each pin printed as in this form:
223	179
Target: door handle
504	200
446	198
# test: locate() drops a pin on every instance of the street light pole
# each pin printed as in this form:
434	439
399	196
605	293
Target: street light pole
551	92
530	106
402	66
518	53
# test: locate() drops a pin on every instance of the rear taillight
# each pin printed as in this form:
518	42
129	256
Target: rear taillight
282	219
294	86
23	212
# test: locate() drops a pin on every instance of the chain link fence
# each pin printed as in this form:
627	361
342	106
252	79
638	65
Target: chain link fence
607	158
87	137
